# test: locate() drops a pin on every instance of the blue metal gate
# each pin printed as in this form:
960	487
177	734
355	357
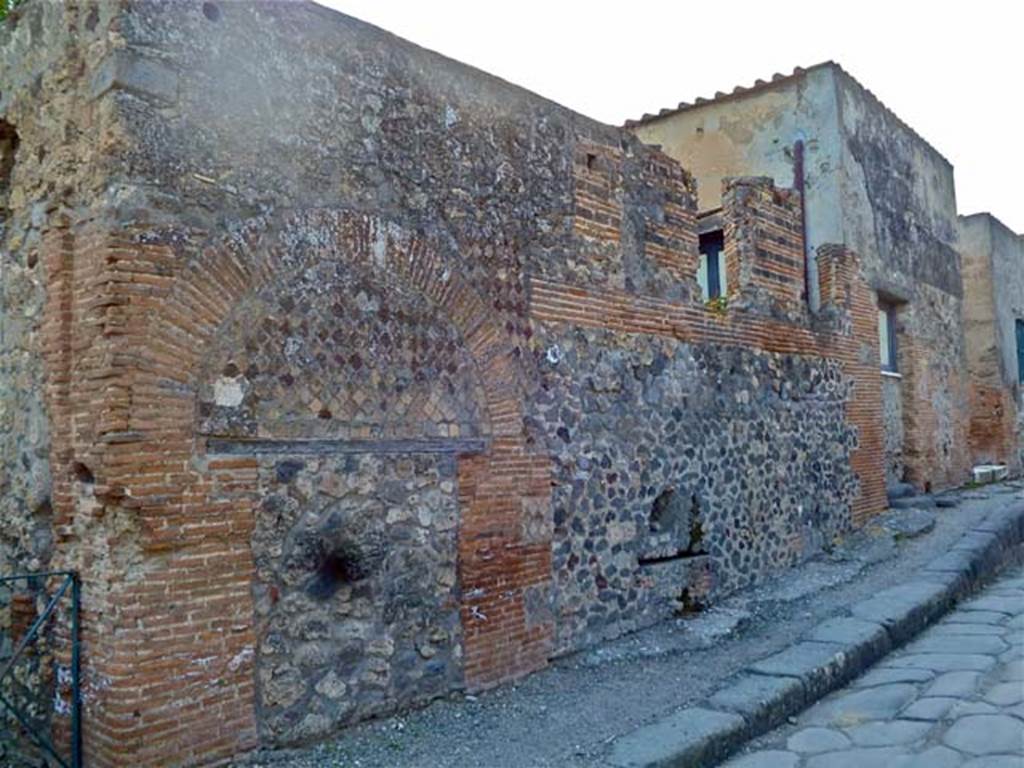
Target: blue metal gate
31	680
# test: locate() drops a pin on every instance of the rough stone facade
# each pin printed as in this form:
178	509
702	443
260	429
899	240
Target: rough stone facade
876	186
356	599
892	408
355	376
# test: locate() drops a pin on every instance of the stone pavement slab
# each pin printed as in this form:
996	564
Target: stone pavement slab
763	700
944	701
811	740
769	759
942	662
884	676
861	705
986	735
954	684
981	644
906	610
929	708
692	736
817	665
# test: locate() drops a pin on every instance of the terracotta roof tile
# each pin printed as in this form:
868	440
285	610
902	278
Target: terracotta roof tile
761	85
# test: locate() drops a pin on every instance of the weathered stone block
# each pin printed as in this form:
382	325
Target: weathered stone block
133	72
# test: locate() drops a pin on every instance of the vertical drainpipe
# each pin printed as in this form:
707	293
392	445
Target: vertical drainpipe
798	183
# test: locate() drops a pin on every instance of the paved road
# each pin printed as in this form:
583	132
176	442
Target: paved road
952	698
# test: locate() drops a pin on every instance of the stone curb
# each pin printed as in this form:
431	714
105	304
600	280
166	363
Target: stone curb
771	690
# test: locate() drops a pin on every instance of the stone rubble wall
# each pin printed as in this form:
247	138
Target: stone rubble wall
388	634
372	377
935	390
893	419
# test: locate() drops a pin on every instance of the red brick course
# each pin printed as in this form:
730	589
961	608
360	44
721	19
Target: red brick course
993	427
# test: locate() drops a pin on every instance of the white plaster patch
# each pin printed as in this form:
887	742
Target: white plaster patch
451	116
228	392
619	532
241	658
380	247
292	346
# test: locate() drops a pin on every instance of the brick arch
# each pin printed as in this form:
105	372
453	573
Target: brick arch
215	283
326	347
190	585
372	244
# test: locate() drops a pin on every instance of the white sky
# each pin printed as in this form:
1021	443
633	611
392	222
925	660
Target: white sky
954	71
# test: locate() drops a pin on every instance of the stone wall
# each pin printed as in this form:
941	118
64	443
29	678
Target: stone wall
993	286
728	415
738	436
893	419
373	377
32	158
1008	278
356	591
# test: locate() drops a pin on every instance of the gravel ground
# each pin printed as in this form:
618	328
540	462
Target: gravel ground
567	715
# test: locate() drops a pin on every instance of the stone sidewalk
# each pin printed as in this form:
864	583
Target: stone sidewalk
953	697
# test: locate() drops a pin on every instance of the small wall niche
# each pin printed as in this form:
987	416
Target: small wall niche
8	150
345	563
675	527
81	473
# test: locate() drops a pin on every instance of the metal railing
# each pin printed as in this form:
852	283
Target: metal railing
37	730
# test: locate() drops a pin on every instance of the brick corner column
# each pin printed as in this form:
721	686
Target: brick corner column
844	290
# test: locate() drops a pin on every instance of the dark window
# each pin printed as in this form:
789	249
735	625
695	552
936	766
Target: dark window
887	337
1020	351
712	271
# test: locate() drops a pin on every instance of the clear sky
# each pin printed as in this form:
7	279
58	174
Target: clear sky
954	71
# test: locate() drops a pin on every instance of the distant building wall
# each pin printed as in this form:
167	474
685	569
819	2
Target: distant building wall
899	209
993	303
1008	271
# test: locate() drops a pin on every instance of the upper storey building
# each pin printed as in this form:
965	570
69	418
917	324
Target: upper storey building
873	184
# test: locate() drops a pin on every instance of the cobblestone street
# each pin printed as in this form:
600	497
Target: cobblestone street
953	697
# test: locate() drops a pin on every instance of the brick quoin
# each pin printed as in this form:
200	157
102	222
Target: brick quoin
993	424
